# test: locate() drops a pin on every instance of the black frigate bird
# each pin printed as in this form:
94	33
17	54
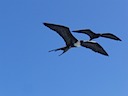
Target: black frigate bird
71	41
93	35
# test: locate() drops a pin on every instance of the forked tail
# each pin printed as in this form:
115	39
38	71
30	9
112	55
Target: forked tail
63	48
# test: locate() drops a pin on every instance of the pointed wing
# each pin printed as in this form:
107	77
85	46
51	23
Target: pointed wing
85	31
95	47
111	36
63	31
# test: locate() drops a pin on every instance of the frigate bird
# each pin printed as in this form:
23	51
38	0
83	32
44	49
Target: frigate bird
93	35
71	41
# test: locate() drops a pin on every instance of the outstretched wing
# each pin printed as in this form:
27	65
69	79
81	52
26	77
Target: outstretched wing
85	31
111	36
94	46
63	31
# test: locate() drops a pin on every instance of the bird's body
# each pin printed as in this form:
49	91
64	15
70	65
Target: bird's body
71	41
93	35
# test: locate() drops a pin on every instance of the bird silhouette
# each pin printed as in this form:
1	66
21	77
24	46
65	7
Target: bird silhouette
71	41
93	35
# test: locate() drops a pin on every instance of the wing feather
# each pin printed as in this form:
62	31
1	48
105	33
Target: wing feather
111	36
85	31
95	47
63	31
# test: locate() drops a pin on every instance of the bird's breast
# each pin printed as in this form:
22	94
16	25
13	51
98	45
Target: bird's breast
77	44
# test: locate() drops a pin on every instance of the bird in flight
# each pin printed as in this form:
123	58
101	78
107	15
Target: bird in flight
71	41
93	35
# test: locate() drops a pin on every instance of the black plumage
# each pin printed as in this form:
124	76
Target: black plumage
71	41
93	35
94	46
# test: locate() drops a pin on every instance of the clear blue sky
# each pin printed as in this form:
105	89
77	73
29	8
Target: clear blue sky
28	69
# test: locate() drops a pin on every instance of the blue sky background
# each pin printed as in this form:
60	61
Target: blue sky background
28	69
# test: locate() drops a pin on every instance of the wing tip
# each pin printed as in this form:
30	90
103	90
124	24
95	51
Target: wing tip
45	23
106	54
119	39
103	52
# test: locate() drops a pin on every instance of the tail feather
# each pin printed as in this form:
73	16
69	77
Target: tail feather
64	49
55	50
62	53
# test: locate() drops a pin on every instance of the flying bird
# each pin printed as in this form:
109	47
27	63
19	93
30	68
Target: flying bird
93	35
71	41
